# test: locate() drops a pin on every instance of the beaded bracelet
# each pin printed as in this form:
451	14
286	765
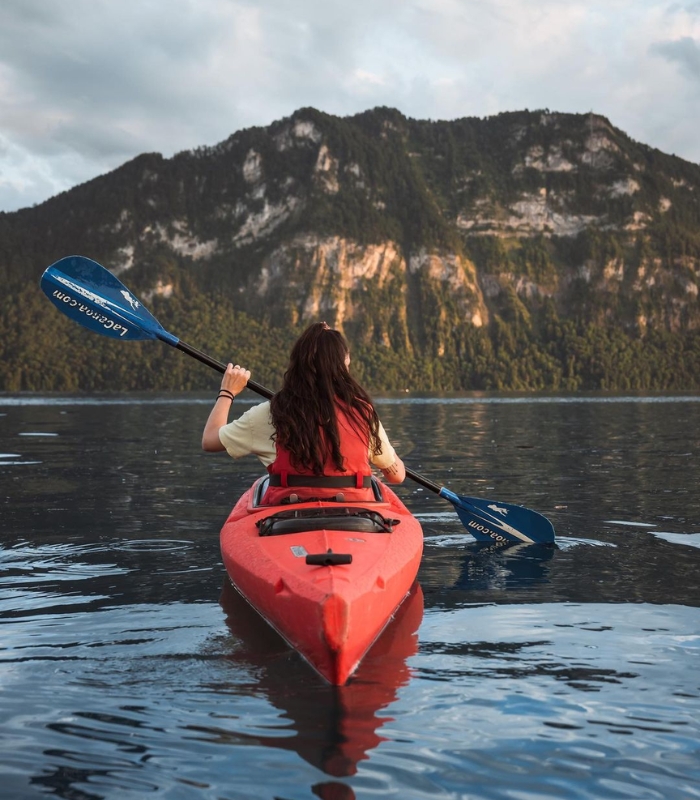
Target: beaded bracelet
225	393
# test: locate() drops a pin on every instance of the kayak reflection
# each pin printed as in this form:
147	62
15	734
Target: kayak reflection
335	726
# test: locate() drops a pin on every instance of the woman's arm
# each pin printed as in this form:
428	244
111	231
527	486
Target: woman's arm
396	472
387	461
233	383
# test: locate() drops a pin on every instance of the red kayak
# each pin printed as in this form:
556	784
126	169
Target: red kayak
327	576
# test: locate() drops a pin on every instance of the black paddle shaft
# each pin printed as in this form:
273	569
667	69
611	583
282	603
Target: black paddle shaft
428	484
220	367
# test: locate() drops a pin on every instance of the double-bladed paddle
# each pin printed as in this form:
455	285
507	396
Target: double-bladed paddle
89	294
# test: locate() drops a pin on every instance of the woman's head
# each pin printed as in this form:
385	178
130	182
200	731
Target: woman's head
320	352
317	380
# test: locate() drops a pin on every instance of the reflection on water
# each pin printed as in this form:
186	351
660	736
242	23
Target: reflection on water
485	567
585	691
334	726
516	671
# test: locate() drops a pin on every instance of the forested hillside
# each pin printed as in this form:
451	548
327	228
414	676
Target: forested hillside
530	250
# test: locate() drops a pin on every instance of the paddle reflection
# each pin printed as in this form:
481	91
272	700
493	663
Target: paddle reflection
505	567
334	726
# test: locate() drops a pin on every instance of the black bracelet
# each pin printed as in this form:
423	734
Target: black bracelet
226	393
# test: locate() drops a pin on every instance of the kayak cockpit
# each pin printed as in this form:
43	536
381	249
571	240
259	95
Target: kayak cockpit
262	484
340	518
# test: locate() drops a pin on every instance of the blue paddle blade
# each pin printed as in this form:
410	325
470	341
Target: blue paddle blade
492	521
89	294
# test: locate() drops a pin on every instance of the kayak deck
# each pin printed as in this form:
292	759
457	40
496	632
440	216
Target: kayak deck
327	576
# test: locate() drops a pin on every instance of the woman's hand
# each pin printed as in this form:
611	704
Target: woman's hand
233	383
235	379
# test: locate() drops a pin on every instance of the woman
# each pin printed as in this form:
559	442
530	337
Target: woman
319	436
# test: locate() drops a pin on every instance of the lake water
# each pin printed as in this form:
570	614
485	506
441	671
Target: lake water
129	668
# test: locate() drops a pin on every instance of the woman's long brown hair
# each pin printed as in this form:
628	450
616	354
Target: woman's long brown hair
316	383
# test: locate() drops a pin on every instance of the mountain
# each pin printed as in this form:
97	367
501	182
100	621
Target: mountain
528	250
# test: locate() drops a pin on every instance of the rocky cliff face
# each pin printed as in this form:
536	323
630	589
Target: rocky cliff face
371	292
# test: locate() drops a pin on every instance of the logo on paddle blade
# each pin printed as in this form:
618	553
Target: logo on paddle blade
132	301
500	510
498	537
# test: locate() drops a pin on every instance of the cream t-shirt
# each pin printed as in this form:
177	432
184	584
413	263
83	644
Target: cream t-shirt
252	433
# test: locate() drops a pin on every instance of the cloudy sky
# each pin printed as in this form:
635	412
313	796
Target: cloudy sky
85	85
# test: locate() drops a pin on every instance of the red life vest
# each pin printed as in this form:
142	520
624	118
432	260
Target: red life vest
355	450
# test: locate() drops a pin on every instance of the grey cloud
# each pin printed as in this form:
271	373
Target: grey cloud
19	13
685	52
